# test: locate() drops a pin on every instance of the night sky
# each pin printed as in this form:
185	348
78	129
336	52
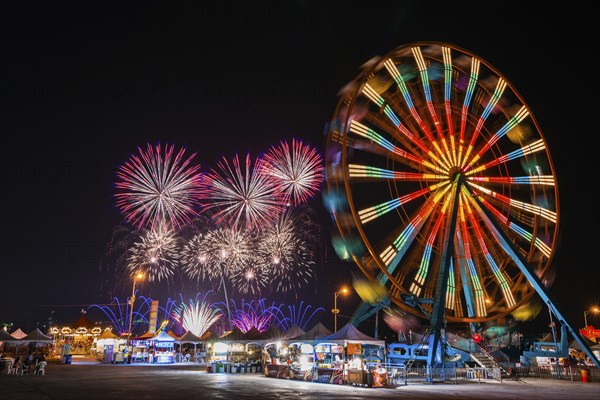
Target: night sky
84	84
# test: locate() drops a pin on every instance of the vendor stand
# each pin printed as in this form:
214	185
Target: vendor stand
356	372
164	348
330	363
302	361
275	358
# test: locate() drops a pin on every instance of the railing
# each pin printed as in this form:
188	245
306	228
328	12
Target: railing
399	375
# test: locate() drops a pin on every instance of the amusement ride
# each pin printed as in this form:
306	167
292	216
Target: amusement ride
443	190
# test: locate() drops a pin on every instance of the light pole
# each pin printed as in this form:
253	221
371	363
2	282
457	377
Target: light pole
593	310
335	310
139	275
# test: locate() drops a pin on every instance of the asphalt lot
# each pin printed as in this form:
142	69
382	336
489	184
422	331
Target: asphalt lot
92	380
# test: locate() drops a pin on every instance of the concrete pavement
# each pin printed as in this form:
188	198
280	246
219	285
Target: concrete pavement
91	380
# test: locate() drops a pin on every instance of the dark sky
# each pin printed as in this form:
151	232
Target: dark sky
85	83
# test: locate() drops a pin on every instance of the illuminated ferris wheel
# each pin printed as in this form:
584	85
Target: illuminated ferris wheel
441	183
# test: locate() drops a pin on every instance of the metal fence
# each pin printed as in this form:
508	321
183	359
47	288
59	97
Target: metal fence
398	375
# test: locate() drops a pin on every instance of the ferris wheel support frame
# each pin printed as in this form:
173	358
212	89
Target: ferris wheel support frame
533	279
437	317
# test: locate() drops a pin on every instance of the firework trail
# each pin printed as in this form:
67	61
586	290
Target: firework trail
118	315
253	314
299	316
197	316
155	255
158	185
297	169
242	195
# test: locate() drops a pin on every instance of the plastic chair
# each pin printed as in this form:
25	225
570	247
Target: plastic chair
40	369
9	366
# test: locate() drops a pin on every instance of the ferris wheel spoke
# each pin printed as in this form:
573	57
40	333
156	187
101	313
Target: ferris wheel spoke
377	99
397	76
472	277
511	124
498	274
485	114
522	232
372	135
394	251
427	89
419	279
370	213
447	55
524	151
518	205
473	79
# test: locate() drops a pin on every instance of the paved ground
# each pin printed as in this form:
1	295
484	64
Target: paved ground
90	380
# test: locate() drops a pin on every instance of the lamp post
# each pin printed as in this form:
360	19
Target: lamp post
335	310
139	275
593	310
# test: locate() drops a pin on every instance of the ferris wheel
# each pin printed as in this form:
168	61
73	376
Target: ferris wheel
441	183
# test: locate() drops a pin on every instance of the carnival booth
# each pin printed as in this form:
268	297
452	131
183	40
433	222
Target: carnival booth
106	345
362	356
329	357
302	361
163	347
275	358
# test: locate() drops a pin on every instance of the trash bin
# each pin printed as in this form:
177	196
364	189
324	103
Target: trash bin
369	378
209	369
585	375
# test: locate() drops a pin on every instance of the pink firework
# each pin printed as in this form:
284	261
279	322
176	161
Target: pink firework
242	195
297	169
159	185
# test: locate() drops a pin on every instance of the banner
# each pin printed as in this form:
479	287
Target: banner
153	316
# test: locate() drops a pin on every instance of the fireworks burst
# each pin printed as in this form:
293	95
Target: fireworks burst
217	254
284	253
297	169
197	316
242	195
156	254
252	278
158	186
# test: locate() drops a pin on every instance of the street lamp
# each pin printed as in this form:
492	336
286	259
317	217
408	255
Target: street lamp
139	275
335	310
593	310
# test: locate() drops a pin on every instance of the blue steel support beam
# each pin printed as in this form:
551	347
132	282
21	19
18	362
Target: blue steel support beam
531	276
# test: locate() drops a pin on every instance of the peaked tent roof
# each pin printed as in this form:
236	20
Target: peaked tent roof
6	337
253	334
189	337
318	331
163	337
294	331
37	336
272	333
235	334
18	334
349	333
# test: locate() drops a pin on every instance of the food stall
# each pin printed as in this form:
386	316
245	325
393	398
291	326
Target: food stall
302	361
163	346
329	357
364	354
275	357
